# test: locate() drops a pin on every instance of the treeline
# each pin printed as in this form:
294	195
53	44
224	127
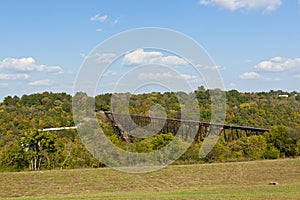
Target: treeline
23	147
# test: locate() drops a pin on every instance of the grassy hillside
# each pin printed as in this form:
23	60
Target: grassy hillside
245	180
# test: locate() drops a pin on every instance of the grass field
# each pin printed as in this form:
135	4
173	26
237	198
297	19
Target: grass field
245	180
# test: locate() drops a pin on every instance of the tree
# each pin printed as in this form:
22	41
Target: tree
284	139
161	140
298	148
219	152
39	146
271	152
255	147
12	156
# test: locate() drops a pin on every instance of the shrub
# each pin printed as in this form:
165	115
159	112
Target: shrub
271	152
298	148
255	147
284	139
219	152
236	150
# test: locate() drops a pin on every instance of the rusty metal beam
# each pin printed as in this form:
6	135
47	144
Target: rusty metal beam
192	122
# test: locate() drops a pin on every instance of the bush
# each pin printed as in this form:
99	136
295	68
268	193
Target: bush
255	147
219	153
192	153
298	148
284	139
271	152
236	150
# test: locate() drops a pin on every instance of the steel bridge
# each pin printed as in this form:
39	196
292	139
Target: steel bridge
125	123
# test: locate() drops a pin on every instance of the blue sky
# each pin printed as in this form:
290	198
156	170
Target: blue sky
254	43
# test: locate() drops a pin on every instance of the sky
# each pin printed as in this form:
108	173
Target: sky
254	44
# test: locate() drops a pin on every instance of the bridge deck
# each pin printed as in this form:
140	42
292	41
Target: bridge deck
192	122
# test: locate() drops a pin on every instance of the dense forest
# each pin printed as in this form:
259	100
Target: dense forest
24	147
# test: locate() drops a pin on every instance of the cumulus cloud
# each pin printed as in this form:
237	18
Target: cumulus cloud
266	5
99	17
139	57
102	58
40	83
278	64
250	75
27	64
190	78
4	76
274	65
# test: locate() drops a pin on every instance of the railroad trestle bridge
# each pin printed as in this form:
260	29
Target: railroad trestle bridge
125	123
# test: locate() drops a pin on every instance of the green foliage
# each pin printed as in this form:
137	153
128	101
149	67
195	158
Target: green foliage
161	140
236	150
22	149
284	139
39	146
271	152
254	147
298	148
12	157
219	153
192	153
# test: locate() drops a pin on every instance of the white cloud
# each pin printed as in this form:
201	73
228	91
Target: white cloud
173	60
139	57
188	76
40	83
27	64
4	76
99	17
271	79
110	73
155	76
211	67
51	69
101	58
250	75
83	55
278	64
275	65
99	30
168	76
104	58
266	5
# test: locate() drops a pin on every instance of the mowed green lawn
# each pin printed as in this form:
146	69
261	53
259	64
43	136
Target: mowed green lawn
245	180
